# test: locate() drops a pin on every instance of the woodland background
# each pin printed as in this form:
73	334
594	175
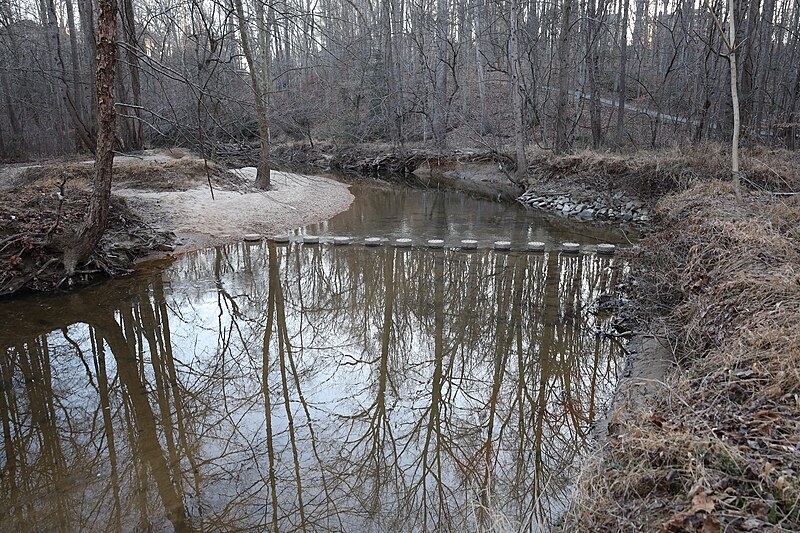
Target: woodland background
560	74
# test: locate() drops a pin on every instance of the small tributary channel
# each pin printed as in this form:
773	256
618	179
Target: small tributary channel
256	387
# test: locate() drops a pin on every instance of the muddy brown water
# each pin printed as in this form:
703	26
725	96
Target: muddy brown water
312	387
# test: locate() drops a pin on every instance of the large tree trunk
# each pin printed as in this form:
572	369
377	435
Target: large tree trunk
259	89
86	14
623	63
134	118
81	245
394	105
734	98
479	63
562	99
593	71
77	88
516	93
440	89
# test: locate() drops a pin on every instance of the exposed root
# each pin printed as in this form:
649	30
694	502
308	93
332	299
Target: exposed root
36	220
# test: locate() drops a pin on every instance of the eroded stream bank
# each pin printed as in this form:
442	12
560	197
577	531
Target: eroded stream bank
257	386
715	445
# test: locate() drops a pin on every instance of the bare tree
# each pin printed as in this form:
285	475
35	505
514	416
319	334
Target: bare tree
561	131
440	101
622	39
80	245
518	104
260	86
731	47
357	71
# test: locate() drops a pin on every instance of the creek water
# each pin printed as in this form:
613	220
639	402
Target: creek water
256	387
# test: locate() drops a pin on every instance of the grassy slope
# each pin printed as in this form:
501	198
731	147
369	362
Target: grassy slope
718	448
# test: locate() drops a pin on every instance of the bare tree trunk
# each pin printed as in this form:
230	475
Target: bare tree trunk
562	101
792	114
124	126
639	37
749	63
53	89
64	95
734	98
77	89
260	92
83	243
593	68
766	57
479	63
131	55
16	126
623	63
440	89
516	93
393	105
86	14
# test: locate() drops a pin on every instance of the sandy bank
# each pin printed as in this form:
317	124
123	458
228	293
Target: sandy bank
199	220
155	193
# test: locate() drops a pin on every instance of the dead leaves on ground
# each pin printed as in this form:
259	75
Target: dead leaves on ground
696	518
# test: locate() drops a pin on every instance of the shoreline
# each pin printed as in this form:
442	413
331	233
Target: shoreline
712	445
160	205
198	221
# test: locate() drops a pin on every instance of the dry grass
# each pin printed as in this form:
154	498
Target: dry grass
720	449
657	172
178	174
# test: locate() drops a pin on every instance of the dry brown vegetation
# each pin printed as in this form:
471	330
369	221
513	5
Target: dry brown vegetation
169	175
651	174
718	449
34	219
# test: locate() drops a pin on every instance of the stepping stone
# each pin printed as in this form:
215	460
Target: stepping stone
570	247
311	239
606	248
339	241
373	241
435	243
469	244
502	245
252	237
536	246
281	238
402	243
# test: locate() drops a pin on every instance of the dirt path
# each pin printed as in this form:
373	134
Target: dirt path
198	220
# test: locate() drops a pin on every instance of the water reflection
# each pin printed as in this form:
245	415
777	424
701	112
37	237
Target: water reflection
392	212
305	388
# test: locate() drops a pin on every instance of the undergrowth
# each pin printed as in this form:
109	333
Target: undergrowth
180	174
651	174
719	448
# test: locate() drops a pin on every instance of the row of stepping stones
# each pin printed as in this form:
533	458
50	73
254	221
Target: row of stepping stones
464	244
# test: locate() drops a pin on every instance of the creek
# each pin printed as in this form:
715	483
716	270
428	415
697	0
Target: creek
255	387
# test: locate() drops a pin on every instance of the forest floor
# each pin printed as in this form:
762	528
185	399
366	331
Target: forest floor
714	444
161	203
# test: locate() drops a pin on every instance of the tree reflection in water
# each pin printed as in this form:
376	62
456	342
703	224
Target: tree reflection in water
253	388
